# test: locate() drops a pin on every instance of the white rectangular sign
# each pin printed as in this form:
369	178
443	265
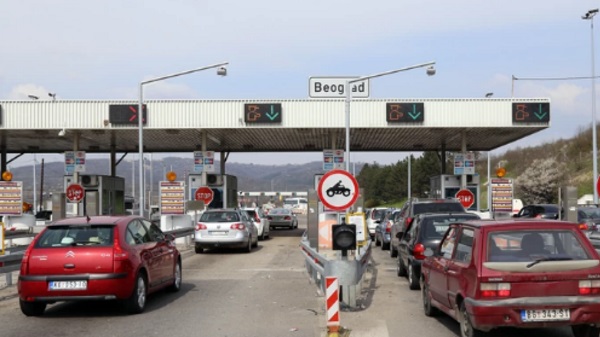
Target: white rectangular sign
334	87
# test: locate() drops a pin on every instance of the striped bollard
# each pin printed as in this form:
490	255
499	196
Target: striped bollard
333	306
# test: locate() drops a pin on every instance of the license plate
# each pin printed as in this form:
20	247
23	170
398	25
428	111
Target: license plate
541	315
67	285
218	233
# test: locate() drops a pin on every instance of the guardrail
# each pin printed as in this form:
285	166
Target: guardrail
13	254
348	271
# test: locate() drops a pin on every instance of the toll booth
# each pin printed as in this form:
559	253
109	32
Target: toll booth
224	187
104	195
447	185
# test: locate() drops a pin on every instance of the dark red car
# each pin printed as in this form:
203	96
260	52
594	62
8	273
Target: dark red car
98	258
514	273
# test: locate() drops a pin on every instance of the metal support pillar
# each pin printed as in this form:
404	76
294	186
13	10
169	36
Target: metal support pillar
463	177
203	149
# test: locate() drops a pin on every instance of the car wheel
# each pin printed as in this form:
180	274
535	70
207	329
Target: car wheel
385	246
177	278
400	268
585	331
466	328
393	252
32	308
413	281
136	303
199	249
377	243
263	235
248	248
428	309
255	244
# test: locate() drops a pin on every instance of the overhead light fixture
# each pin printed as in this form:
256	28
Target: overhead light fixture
62	132
53	95
489	94
431	70
34	97
222	71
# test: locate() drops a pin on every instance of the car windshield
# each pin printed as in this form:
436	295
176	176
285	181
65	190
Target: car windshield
61	236
531	245
378	213
220	217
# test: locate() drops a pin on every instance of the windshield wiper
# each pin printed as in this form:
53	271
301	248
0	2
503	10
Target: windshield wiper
548	258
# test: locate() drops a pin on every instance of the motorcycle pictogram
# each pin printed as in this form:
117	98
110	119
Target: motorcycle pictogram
338	189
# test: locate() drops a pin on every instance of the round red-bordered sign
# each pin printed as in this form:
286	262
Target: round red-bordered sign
74	193
338	190
204	194
466	198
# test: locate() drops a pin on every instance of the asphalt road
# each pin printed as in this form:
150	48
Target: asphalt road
224	293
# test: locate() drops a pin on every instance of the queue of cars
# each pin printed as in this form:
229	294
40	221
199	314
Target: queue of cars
526	272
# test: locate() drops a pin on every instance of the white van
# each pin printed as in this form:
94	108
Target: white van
297	205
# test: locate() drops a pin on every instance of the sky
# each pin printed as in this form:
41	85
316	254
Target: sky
104	49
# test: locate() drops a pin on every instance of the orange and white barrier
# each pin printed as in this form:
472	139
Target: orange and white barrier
333	305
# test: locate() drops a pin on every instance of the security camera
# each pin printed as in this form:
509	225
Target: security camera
62	133
430	71
222	71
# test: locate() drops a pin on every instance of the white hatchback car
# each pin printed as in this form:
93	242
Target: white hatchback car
260	220
373	215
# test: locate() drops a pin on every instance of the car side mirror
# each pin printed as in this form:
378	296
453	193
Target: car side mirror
170	237
515	215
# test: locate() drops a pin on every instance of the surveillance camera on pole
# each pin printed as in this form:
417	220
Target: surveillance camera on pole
222	71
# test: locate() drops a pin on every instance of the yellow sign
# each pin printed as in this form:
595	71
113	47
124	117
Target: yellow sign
360	221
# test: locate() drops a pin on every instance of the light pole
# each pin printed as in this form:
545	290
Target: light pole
590	16
221	71
430	71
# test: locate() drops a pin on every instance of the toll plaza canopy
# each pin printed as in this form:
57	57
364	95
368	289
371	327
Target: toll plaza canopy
408	124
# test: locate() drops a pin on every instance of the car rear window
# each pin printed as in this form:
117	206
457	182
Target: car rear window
437	207
519	246
220	217
436	227
378	213
251	213
62	236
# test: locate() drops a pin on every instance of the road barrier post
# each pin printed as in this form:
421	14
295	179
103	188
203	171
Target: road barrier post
333	306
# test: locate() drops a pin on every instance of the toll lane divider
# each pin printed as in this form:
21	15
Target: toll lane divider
349	272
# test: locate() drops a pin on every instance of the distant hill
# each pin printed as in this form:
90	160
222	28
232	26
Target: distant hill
251	177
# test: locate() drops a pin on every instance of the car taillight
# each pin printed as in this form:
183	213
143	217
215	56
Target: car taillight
200	226
583	226
270	218
388	227
418	251
25	259
539	216
238	226
407	222
589	287
287	218
495	289
256	217
119	254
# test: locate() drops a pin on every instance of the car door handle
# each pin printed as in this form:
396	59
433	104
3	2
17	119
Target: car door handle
452	272
446	268
69	266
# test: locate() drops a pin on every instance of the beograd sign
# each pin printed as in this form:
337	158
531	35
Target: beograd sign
334	87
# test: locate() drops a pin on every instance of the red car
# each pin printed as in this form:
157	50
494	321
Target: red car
514	273
98	258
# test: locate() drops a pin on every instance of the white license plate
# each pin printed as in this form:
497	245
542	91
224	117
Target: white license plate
542	315
67	285
218	233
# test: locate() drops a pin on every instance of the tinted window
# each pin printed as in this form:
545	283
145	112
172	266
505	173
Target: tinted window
280	211
435	227
378	213
434	207
155	233
61	236
136	233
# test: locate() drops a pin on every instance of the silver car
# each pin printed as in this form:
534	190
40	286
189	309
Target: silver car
225	228
282	217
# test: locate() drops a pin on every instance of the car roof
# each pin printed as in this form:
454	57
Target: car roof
94	220
447	214
221	210
435	200
517	223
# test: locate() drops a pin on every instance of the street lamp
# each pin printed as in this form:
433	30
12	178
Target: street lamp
221	71
430	71
590	16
